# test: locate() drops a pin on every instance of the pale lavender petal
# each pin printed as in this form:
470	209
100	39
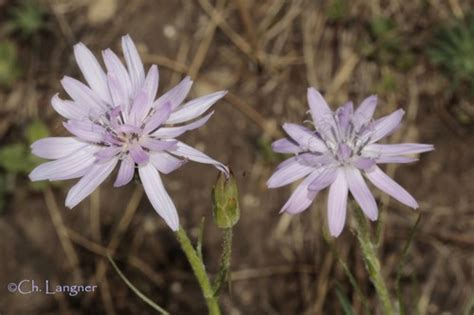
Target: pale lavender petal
160	115
119	96
343	151
176	95
386	125
165	163
157	145
325	177
134	64
71	166
363	114
56	147
337	203
69	109
383	182
288	172
195	108
192	154
151	84
285	146
83	95
85	130
313	160
395	159
107	153
139	155
173	132
114	65
125	172
305	138
89	182
382	150
139	108
361	193
158	196
364	163
92	71
321	113
344	115
301	198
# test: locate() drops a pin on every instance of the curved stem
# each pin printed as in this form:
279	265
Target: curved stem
372	263
199	271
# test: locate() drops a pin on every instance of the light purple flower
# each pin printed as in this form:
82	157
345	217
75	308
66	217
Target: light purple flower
340	150
117	120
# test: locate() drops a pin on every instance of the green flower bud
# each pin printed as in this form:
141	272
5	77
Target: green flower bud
226	202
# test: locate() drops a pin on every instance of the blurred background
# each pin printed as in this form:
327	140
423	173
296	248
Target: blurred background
417	55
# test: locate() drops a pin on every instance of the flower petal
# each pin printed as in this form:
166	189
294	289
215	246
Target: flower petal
344	116
71	166
337	204
176	95
159	116
115	66
382	150
361	192
325	177
165	163
69	109
363	114
107	153
157	145
83	95
386	125
321	113
56	147
173	132
195	108
85	130
301	198
151	84
134	64
192	154
383	182
92	72
158	196
285	145
89	182
395	159
125	172
139	155
287	172
305	138
364	163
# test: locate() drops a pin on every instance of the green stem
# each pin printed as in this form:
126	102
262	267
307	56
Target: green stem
372	263
199	271
224	262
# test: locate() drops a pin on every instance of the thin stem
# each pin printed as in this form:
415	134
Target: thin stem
199	271
142	296
372	263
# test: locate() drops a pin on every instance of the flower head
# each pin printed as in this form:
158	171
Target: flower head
337	153
117	119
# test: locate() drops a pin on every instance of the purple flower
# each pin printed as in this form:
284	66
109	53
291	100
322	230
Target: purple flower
336	154
117	119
